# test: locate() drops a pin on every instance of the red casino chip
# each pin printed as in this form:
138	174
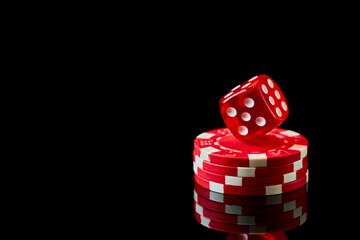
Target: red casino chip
250	200
254	229
250	181
250	210
250	171
278	147
250	219
252	191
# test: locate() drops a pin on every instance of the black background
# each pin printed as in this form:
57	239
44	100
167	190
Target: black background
164	73
178	72
181	94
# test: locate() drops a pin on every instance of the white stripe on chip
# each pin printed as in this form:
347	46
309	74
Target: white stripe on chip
205	135
205	221
217	187
233	181
301	148
290	133
289	177
257	160
199	162
273	189
298	164
204	152
246	171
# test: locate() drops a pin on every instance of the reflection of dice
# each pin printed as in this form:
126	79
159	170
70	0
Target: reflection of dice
254	108
243	236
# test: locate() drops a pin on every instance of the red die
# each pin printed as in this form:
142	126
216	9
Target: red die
254	108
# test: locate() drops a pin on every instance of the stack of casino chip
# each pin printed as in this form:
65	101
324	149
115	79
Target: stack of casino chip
250	214
274	163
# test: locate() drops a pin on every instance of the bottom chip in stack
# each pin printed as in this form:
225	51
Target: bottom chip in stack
252	191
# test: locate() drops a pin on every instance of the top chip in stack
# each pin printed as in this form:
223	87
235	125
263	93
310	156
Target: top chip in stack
274	163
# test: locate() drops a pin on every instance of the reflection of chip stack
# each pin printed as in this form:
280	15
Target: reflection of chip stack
250	214
243	183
